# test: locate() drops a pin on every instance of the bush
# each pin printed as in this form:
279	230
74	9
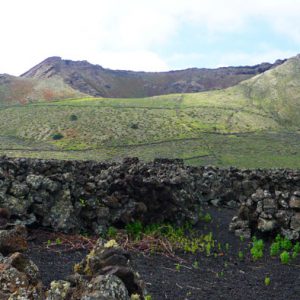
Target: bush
275	249
57	136
286	244
73	118
285	257
257	250
134	229
134	126
112	232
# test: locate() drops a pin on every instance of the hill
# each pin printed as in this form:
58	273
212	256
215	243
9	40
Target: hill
277	92
18	90
253	124
100	82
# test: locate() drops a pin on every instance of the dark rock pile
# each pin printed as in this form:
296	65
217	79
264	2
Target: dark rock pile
270	213
105	273
90	196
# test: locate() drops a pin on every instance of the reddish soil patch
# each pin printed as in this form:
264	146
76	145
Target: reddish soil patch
214	277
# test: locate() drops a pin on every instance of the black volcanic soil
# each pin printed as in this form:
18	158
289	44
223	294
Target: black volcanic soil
220	277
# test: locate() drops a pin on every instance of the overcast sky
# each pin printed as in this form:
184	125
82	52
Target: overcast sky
149	35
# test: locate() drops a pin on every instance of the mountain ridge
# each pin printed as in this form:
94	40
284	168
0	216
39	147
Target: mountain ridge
97	81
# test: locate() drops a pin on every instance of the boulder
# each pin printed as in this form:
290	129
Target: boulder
12	240
295	202
295	222
264	225
19	278
107	258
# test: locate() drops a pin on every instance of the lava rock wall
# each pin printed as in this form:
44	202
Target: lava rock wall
90	196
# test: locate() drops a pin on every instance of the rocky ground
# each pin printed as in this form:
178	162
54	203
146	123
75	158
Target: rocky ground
226	275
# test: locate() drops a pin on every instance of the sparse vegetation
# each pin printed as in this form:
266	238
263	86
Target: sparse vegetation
289	250
222	127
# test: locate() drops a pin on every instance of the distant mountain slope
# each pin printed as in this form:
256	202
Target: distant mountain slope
253	124
99	82
277	92
15	90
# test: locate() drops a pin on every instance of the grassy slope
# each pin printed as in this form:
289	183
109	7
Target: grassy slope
277	92
254	124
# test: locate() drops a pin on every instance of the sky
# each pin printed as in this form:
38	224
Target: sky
148	35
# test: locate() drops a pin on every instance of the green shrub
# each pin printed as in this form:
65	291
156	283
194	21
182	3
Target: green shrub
296	248
207	218
73	118
267	281
241	255
57	136
112	232
275	249
257	250
134	126
285	257
134	229
286	244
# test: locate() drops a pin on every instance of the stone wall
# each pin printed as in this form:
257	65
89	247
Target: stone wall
90	196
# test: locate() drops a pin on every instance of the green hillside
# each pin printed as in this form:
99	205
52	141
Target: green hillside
277	92
254	124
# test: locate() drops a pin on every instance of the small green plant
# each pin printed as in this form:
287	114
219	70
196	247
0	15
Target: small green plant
296	248
57	136
82	202
242	238
148	297
220	274
227	247
112	232
286	244
219	247
177	267
257	250
294	255
49	242
58	241
275	249
208	249
241	255
196	265
267	281
207	218
134	229
285	257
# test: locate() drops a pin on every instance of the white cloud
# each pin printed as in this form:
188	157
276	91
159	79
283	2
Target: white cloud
243	59
131	60
126	34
